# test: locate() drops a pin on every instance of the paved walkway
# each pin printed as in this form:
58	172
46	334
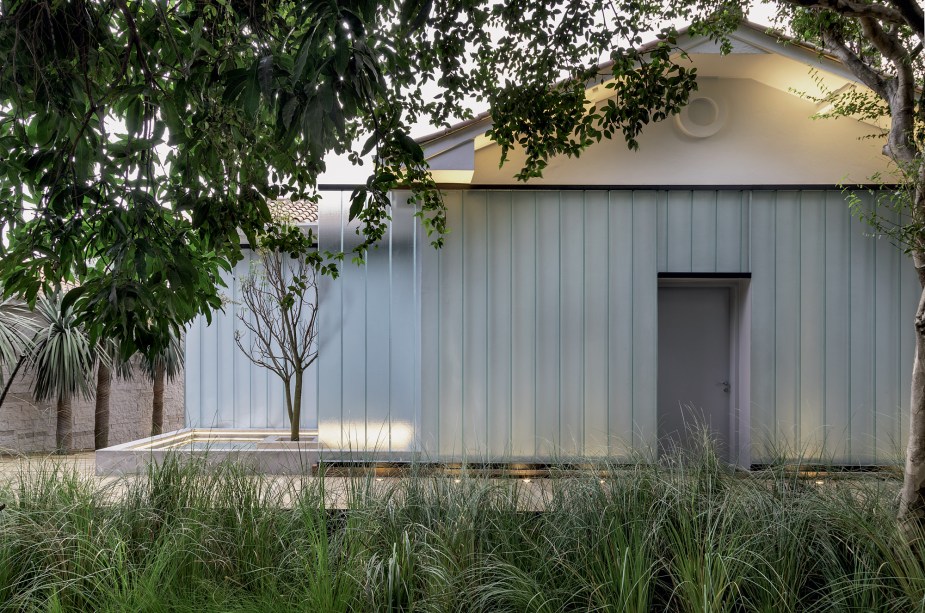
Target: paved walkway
531	491
12	466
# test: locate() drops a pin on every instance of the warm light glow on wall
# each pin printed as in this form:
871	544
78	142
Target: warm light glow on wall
453	176
372	436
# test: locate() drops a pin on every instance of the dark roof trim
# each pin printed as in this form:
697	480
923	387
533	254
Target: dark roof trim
704	275
346	187
339	187
608	188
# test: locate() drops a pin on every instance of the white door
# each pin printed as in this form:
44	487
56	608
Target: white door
694	366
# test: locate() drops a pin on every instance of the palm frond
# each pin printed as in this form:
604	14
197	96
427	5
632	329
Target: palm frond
61	354
171	359
17	328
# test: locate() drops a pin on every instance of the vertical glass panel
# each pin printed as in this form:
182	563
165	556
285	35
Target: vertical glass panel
548	342
352	285
475	322
678	214
596	324
645	320
524	306
450	336
244	369
377	350
571	323
430	330
787	310
620	316
763	375
500	315
729	244
402	325
811	403
862	321
330	333
703	231
208	396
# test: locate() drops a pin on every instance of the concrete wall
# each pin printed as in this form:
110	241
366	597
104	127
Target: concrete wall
27	426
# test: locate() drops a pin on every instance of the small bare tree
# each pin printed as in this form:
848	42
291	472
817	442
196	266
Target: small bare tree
281	295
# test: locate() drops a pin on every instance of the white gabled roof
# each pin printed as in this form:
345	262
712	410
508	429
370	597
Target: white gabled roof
757	54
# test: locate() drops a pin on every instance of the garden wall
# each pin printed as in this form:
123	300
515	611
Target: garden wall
27	426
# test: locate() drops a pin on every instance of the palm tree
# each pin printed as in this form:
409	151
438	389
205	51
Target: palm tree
108	361
62	359
165	365
17	328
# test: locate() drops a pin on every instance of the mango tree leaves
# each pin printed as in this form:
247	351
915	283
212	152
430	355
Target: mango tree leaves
139	139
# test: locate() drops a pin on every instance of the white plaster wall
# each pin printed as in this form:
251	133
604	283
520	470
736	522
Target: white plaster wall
769	138
27	426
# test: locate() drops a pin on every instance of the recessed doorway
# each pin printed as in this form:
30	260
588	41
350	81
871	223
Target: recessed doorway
700	374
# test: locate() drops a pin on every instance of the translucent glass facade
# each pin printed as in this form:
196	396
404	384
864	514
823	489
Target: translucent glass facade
532	333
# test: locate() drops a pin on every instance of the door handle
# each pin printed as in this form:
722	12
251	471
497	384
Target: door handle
726	386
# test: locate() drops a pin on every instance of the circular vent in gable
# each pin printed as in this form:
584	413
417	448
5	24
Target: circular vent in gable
702	117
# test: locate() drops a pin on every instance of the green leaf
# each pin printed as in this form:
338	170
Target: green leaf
67	302
370	143
134	115
252	97
414	13
409	146
289	111
357	202
341	57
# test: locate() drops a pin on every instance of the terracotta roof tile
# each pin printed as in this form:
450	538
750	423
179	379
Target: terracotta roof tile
296	211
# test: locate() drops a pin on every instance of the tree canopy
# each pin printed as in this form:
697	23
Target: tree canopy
138	137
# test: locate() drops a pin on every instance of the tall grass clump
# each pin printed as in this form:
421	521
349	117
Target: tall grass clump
683	534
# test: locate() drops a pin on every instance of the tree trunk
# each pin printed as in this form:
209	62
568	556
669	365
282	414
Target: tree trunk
101	413
912	495
157	408
9	382
64	436
296	416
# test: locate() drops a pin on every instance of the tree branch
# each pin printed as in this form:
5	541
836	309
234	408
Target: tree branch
913	14
852	8
900	91
135	39
868	76
886	43
280	340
